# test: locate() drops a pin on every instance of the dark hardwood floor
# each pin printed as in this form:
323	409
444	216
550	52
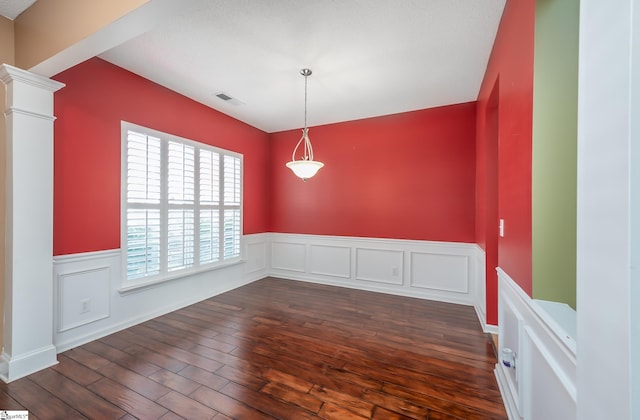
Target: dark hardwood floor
277	349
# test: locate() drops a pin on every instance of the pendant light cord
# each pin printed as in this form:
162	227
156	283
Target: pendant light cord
307	149
306	76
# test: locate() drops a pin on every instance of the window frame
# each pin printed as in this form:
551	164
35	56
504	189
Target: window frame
165	274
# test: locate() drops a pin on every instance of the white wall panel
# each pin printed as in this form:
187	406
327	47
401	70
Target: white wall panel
332	261
379	265
256	256
84	297
288	256
440	272
549	394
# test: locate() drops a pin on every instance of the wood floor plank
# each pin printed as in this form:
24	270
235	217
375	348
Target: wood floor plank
333	412
278	349
395	404
39	402
130	401
134	381
186	334
204	377
8	403
152	344
383	414
455	407
355	405
226	404
265	403
158	359
241	377
131	362
75	371
174	381
291	381
186	407
292	396
83	400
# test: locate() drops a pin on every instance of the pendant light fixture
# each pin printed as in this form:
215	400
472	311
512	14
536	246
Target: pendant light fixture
306	167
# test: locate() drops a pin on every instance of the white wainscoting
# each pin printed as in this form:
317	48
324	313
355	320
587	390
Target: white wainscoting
542	385
88	305
442	271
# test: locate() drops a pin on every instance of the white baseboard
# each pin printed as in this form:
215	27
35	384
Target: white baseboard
12	368
507	397
487	328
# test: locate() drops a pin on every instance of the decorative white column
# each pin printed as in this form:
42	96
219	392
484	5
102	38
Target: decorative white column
28	310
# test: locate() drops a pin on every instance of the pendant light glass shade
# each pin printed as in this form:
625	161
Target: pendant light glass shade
305	167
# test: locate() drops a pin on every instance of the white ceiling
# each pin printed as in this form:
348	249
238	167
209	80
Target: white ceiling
12	8
369	57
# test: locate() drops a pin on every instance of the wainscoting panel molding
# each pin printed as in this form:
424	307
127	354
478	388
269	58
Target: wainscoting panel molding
289	256
379	265
442	271
255	254
334	261
540	382
83	297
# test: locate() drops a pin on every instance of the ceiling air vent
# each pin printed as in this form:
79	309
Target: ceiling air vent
224	96
228	99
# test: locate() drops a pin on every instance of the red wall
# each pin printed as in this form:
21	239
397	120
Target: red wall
97	96
405	176
510	68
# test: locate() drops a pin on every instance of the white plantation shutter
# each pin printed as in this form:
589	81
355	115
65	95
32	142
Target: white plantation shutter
182	205
231	180
143	243
181	239
143	216
231	237
209	177
181	173
209	236
232	194
143	168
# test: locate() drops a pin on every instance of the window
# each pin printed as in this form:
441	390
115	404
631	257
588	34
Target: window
182	205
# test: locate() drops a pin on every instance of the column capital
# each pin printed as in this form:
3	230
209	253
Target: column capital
9	74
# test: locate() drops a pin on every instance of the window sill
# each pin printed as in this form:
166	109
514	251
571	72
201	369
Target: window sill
142	286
